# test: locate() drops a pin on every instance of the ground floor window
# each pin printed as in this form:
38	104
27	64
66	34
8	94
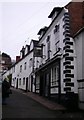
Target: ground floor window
55	75
24	81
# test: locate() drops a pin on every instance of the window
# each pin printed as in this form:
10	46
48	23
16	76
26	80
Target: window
20	68
25	65
55	76
30	62
20	81
57	46
24	81
56	29
48	47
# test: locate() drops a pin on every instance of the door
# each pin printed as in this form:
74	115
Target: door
26	84
41	85
17	84
31	83
47	84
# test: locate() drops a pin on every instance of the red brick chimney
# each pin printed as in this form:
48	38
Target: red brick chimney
17	58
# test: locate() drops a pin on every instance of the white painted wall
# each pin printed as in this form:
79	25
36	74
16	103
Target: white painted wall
24	73
31	45
79	53
79	45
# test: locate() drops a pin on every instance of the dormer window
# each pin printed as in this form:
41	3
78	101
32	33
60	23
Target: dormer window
42	31
55	12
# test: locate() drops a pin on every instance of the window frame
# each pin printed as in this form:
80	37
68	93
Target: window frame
57	46
20	68
24	81
55	76
48	46
25	65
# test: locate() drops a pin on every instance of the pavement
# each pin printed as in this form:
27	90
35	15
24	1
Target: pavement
44	101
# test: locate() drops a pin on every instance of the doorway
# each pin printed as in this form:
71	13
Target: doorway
17	84
47	85
26	84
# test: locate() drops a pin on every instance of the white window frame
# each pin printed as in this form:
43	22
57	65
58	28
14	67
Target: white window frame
24	81
25	65
20	68
55	75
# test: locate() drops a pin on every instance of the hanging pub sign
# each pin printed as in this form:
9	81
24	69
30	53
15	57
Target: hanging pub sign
38	52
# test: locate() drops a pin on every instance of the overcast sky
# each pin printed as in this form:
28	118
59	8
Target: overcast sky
20	22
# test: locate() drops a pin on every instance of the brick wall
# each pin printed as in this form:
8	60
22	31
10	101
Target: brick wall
76	12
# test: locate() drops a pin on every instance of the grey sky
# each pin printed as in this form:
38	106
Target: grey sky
21	21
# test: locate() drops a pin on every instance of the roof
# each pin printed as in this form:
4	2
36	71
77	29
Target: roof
82	29
35	42
52	23
5	55
21	58
42	29
55	9
28	46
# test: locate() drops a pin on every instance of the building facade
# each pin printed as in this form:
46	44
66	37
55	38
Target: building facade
78	38
50	67
56	75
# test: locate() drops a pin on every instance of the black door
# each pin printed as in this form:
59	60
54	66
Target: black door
17	84
41	84
26	84
47	84
31	83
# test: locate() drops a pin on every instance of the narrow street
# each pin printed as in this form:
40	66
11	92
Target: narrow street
20	105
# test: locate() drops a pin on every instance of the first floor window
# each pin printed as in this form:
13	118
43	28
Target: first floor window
57	46
48	49
25	65
20	68
30	62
